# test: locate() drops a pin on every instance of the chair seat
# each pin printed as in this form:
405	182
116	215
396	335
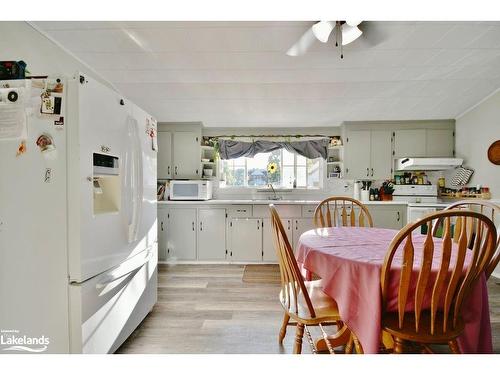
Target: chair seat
325	307
390	324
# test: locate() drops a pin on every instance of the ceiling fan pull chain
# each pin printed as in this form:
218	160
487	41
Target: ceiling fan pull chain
341	43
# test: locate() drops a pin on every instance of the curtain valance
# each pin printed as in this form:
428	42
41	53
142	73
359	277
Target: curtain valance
311	149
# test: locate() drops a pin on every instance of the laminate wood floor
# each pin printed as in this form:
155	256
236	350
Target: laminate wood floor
209	309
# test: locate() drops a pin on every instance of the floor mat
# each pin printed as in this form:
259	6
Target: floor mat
262	274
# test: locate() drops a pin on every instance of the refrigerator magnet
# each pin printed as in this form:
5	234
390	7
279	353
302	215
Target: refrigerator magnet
59	123
46	145
21	149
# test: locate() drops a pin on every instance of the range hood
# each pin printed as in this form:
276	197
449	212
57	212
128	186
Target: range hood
427	164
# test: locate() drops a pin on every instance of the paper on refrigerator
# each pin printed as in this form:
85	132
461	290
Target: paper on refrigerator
13	113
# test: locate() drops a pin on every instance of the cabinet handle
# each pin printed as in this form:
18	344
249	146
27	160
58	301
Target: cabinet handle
399	215
193	226
296	225
367	172
289	224
161	226
197	171
175	170
201	226
168	170
372	172
258	224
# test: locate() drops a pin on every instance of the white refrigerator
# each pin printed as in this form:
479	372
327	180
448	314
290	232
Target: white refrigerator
78	237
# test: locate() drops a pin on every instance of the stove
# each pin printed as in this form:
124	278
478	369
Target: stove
422	200
415	193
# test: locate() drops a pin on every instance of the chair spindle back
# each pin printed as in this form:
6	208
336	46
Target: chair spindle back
451	284
292	282
486	208
344	213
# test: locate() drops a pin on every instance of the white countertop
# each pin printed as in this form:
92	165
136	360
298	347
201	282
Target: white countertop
266	201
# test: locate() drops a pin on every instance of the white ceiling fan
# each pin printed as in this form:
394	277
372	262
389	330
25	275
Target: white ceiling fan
345	32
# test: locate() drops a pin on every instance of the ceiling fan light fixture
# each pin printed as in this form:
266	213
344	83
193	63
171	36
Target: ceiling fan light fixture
322	30
353	22
350	33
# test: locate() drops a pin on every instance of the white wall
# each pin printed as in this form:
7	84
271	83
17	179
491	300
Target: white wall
475	132
20	41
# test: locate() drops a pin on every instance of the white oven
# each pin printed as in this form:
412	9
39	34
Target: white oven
190	190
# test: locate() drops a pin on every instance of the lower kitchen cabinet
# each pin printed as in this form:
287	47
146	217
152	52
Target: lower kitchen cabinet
207	234
181	233
162	234
245	239
212	234
269	252
300	226
390	217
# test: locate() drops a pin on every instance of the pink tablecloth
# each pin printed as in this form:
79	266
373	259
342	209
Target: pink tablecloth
349	260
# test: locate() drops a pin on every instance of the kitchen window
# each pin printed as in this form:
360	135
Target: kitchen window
281	168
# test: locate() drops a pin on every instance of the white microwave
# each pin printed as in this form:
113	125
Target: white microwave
190	190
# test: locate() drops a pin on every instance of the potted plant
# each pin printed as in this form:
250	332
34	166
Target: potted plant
386	190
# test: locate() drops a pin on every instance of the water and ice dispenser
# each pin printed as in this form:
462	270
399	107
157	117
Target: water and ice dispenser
106	184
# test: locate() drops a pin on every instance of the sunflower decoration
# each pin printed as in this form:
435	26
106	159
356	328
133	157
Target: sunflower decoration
272	168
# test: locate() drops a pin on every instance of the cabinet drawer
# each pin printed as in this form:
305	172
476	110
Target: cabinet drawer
308	211
284	210
240	211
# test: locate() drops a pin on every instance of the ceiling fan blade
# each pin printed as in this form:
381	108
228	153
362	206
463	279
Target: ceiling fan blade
322	30
350	33
303	44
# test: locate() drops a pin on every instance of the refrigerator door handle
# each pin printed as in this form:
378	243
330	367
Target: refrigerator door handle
137	179
108	280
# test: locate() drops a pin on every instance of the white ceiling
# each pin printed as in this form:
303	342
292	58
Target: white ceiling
236	74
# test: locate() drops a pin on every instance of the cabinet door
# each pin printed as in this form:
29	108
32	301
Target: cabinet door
381	154
212	234
440	143
245	238
409	143
390	217
164	162
300	226
162	234
181	233
268	240
357	160
187	155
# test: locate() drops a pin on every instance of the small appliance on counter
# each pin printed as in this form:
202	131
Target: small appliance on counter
356	190
191	190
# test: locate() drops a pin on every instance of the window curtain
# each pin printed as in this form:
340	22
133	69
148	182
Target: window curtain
311	149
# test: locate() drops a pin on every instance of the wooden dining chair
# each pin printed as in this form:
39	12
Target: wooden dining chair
447	286
341	212
303	301
489	209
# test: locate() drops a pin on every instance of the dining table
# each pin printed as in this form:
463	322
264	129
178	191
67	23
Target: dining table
349	261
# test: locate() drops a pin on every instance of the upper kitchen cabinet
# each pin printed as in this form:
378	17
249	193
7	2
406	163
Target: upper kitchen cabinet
368	154
409	142
186	155
424	143
357	154
380	154
440	143
164	163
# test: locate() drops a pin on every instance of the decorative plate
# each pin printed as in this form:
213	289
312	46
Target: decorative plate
494	152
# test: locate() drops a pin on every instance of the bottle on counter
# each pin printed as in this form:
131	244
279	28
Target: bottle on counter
372	195
441	182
